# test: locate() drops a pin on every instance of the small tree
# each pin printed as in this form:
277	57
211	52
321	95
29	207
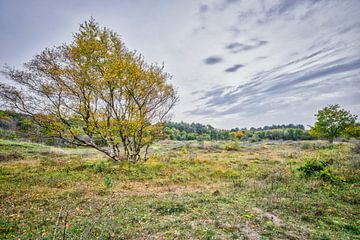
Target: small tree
237	135
94	92
353	131
332	121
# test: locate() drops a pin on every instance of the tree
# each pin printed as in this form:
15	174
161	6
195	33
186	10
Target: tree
353	131
94	90
237	135
331	122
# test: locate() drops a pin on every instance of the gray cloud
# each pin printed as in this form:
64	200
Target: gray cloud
299	54
224	4
212	60
267	102
352	27
203	8
215	91
275	10
261	57
281	8
261	92
236	47
234	68
297	75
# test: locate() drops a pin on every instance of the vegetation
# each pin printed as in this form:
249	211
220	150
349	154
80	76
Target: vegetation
94	92
277	134
186	190
274	126
196	131
20	126
332	122
95	101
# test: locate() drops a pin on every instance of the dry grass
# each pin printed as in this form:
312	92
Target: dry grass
185	191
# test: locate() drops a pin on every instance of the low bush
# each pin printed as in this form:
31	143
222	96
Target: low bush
232	146
312	167
328	175
319	169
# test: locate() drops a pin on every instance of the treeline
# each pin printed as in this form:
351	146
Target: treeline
15	126
280	126
277	134
196	131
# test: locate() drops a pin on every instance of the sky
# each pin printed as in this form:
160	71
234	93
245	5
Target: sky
234	63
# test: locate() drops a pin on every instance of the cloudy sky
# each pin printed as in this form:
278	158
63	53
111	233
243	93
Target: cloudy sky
235	63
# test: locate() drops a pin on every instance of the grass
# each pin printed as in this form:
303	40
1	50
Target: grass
185	191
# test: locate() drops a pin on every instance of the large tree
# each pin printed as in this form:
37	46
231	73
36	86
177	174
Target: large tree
94	92
332	121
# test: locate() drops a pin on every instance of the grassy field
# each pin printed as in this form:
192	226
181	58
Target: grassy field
186	190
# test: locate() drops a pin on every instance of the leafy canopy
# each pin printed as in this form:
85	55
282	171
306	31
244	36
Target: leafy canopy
94	92
332	121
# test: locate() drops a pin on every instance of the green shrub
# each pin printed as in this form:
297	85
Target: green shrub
312	167
328	175
232	146
320	169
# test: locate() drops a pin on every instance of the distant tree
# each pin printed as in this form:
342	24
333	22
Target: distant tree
353	131
94	91
282	126
234	129
332	121
237	135
203	137
185	131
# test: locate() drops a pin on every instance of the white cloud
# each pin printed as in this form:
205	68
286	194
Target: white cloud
289	51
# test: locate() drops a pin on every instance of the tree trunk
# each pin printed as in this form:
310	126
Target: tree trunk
146	152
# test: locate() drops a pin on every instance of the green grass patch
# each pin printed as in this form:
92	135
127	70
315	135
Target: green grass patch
184	191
